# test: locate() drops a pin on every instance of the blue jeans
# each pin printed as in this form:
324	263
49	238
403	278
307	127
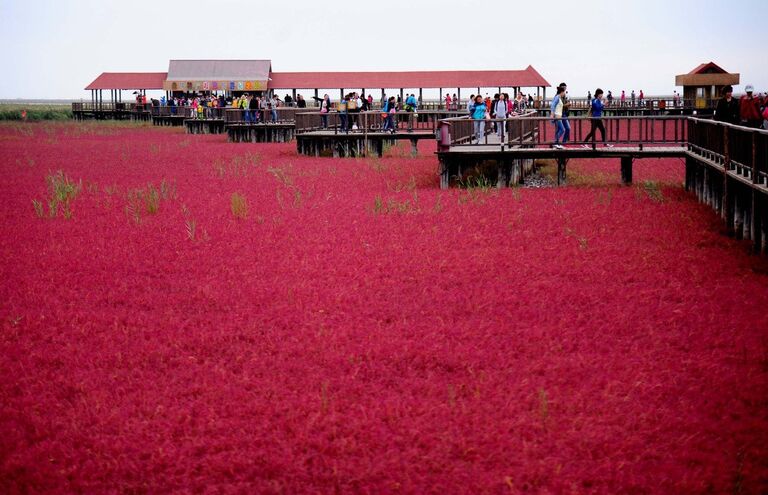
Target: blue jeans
324	118
247	115
274	115
559	129
567	127
479	125
343	121
389	122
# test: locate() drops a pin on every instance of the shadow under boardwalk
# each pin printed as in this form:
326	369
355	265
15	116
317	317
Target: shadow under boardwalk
509	165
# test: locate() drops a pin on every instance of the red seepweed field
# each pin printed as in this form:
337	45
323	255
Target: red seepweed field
181	314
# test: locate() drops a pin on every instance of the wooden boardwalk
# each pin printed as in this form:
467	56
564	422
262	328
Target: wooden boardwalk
726	166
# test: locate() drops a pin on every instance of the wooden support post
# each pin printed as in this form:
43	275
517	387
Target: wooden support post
383	97
626	170
444	174
341	94
458	97
402	98
561	169
690	171
421	100
726	167
757	220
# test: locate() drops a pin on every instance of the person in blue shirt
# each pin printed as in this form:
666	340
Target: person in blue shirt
566	109
596	114
411	104
390	111
478	111
556	112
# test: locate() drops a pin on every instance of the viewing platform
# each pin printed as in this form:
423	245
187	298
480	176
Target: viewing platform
726	165
363	133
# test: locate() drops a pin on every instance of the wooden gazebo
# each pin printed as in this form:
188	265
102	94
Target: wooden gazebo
703	84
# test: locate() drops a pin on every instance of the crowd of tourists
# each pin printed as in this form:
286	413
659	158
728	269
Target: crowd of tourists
750	110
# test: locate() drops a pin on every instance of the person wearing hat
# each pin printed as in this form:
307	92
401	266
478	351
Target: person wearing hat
749	109
727	109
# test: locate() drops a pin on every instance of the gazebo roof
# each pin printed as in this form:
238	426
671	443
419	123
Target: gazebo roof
528	77
128	80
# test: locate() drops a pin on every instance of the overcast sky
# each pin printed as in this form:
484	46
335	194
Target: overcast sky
54	48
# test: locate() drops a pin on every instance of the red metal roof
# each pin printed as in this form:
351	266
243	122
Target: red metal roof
708	68
129	80
528	78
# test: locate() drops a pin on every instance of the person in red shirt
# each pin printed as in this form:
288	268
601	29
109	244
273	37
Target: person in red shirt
749	109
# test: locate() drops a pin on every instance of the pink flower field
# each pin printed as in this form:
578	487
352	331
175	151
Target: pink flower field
179	314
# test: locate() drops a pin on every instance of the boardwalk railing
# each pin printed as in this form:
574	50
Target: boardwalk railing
105	107
227	114
530	130
742	150
371	121
462	130
283	115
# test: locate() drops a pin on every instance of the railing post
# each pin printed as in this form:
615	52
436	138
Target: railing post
754	157
724	212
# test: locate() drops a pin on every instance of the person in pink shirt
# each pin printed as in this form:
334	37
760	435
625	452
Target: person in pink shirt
447	101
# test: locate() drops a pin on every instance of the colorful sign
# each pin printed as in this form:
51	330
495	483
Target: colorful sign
231	85
215	85
206	86
239	85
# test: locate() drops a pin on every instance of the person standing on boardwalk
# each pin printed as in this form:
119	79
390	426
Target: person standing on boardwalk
632	98
727	109
556	110
456	102
325	107
596	118
253	107
411	104
566	110
519	104
273	104
389	111
623	99
478	110
501	110
342	109
353	108
447	101
749	109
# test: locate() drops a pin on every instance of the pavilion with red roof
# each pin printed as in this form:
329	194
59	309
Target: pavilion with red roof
239	76
704	83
